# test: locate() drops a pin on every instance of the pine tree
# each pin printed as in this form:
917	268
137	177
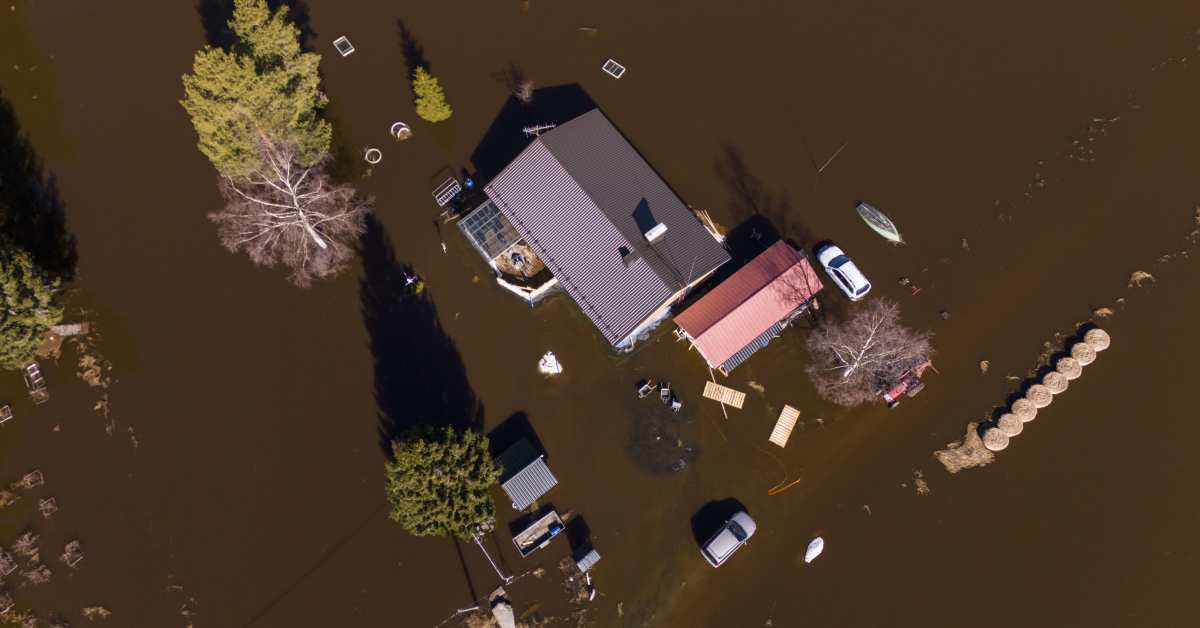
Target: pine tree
431	100
439	480
29	299
263	86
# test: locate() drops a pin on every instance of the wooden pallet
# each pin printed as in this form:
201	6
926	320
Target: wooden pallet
784	426
724	394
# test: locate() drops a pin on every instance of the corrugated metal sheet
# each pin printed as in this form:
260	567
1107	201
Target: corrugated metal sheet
573	195
529	484
741	313
751	348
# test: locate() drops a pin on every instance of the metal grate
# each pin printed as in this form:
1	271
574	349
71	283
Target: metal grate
613	69
343	45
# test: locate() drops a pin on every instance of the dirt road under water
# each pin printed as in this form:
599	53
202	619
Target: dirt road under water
1033	155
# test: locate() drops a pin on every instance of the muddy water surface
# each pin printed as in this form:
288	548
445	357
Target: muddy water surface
1057	141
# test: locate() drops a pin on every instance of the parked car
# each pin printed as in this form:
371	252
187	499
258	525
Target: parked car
732	535
844	273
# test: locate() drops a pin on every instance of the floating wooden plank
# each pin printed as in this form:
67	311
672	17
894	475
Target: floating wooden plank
784	426
724	394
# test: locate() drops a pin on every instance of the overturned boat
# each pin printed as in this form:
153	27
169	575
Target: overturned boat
879	223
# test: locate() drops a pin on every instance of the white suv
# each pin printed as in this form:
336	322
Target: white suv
844	273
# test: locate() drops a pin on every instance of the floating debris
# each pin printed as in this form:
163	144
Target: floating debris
8	498
549	365
400	131
984	365
1139	276
814	549
1083	353
1102	312
47	507
72	554
762	390
31	480
919	481
95	612
27	544
37	574
966	453
7	563
1070	367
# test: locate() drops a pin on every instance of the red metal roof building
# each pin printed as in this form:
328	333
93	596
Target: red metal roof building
749	309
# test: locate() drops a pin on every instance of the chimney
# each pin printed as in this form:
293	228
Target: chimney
655	232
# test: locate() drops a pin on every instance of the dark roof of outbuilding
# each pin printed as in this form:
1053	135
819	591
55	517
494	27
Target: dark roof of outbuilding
583	198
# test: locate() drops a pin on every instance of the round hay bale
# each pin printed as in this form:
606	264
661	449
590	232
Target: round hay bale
1084	353
994	439
1009	424
1056	382
1024	409
1097	339
1040	395
1070	367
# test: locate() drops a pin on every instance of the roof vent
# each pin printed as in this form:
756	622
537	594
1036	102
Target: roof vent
656	232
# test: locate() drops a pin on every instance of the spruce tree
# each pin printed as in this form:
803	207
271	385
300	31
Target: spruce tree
439	480
28	305
431	100
263	86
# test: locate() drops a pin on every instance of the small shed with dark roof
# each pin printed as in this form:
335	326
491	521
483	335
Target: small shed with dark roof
750	308
614	234
524	474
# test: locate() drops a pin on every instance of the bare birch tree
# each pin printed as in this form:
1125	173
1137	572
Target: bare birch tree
855	360
286	214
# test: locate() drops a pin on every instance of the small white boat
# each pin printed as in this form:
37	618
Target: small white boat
815	547
549	364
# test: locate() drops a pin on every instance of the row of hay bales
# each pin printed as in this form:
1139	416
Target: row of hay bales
1039	395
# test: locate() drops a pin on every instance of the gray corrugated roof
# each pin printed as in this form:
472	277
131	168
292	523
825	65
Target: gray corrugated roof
529	484
579	195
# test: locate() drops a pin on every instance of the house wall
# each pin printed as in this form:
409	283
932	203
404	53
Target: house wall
662	312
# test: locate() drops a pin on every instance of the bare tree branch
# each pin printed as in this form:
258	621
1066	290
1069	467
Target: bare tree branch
288	215
854	361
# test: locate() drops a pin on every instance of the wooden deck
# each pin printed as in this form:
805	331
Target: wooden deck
784	426
724	394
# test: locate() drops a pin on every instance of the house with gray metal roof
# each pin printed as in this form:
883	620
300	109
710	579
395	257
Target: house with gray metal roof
612	232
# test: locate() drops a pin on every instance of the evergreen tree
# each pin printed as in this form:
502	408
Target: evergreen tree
29	300
264	86
439	480
431	100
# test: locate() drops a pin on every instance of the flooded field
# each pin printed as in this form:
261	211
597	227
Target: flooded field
1033	155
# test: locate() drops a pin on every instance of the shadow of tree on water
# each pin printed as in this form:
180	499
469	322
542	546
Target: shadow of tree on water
505	139
32	214
420	378
215	15
414	54
748	198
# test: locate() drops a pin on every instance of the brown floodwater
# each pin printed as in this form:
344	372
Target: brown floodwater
1034	155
